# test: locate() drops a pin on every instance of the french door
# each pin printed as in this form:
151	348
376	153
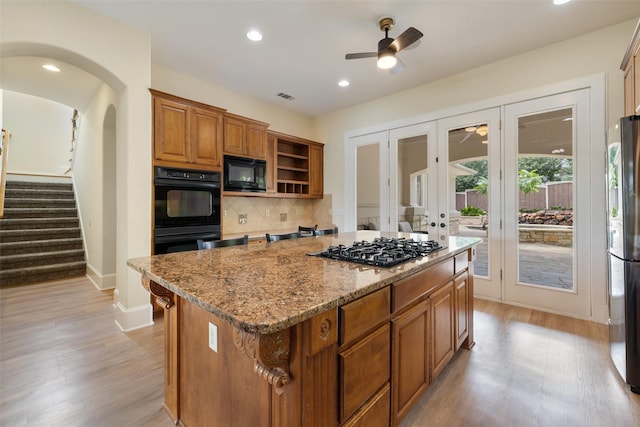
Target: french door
547	202
392	180
470	188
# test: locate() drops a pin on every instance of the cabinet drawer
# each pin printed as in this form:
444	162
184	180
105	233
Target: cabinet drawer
375	413
461	261
365	368
413	287
363	315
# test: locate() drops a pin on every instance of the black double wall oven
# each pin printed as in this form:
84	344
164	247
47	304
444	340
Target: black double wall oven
187	208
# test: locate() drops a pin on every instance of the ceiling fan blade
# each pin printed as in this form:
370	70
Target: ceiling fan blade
398	67
410	36
361	55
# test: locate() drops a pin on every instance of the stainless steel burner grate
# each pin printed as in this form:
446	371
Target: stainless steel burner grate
382	252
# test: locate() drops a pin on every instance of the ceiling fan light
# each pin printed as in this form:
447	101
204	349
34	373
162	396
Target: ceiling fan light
387	60
482	130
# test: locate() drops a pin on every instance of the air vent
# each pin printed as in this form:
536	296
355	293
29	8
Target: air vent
286	96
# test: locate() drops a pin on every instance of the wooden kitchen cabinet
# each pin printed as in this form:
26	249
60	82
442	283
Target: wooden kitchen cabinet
297	166
442	328
631	68
410	359
461	285
364	355
186	134
244	137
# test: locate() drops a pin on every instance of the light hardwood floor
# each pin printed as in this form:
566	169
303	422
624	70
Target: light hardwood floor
64	362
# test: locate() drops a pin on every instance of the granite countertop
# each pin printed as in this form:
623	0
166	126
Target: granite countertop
266	287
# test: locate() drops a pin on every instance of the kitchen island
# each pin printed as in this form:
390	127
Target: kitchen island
266	335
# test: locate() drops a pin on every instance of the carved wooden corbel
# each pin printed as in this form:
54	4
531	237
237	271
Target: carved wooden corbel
270	354
164	297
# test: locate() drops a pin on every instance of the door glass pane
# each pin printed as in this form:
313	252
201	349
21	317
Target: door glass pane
368	187
412	184
545	200
468	171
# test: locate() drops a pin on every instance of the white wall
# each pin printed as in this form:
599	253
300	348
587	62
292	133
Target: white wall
121	57
596	52
41	132
95	186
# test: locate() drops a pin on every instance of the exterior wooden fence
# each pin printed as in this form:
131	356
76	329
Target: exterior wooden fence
551	195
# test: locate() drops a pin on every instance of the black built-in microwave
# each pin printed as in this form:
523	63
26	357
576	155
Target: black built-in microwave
244	174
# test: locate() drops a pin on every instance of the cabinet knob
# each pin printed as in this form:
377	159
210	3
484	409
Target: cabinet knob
442	225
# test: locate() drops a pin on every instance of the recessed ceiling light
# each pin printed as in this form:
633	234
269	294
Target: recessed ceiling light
343	83
51	67
254	35
559	2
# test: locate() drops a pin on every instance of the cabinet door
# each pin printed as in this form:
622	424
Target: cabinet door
410	359
462	308
234	136
636	81
364	370
256	142
442	328
316	177
629	89
171	131
206	133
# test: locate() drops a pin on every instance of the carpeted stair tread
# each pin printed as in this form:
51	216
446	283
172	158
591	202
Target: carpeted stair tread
33	193
44	185
11	213
27	235
40	258
39	203
39	223
42	273
14	248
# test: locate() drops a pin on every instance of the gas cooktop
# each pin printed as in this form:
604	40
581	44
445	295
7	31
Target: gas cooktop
382	252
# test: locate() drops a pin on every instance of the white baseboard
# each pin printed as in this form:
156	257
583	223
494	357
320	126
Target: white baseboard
100	281
129	319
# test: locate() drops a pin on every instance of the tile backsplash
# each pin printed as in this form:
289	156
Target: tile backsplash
266	214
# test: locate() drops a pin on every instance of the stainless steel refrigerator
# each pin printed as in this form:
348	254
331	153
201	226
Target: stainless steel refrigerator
624	250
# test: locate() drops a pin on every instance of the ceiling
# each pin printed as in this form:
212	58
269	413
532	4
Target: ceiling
302	52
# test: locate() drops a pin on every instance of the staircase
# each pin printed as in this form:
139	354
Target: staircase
40	235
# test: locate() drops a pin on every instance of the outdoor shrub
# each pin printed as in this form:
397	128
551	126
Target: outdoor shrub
472	211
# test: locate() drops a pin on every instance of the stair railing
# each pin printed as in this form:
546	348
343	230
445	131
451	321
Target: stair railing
4	150
74	138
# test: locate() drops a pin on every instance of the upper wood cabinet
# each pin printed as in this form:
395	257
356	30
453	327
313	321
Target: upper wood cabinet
186	133
297	166
244	137
631	67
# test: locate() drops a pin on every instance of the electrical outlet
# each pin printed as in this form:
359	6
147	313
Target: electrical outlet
242	218
213	337
225	213
283	217
267	213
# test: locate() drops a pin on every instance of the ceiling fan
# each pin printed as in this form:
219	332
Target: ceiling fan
388	47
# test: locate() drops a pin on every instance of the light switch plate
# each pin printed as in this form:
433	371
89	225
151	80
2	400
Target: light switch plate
213	337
